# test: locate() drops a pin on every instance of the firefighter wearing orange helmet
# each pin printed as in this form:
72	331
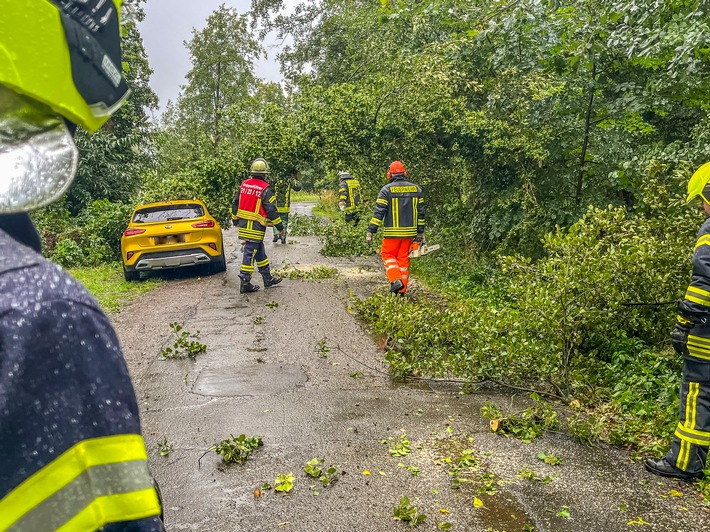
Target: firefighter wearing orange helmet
399	210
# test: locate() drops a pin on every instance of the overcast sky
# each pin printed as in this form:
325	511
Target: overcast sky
167	24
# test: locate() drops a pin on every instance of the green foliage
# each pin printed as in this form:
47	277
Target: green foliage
401	448
237	450
106	220
185	344
300	225
550	459
68	254
527	425
322	347
341	240
284	482
408	513
165	447
314	468
313	274
531	475
327	206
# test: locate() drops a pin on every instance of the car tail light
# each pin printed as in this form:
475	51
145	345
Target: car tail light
133	232
206	223
129	254
213	245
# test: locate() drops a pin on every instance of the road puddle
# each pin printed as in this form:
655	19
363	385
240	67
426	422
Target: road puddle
502	511
248	379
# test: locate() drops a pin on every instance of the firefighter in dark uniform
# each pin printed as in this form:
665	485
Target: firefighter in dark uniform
282	189
350	198
691	339
73	457
400	210
254	206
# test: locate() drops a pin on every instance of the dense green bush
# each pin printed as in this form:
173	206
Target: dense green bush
343	240
106	220
301	225
68	253
587	321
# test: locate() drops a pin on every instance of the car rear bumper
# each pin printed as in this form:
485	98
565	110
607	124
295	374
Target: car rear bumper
170	259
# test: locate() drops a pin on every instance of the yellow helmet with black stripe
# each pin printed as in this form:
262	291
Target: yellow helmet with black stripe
65	54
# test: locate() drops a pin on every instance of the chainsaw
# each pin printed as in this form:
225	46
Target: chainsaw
419	249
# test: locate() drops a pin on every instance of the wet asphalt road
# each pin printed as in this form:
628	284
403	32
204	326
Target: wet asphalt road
292	364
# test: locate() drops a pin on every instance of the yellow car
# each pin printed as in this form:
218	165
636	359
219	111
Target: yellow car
171	234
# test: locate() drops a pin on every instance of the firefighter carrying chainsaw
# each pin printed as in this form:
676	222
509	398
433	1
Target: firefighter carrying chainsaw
253	207
399	209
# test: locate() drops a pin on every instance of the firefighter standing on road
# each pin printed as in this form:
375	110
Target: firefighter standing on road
73	457
283	189
400	210
253	207
691	339
349	197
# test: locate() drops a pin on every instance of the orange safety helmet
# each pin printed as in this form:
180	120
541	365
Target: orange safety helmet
396	168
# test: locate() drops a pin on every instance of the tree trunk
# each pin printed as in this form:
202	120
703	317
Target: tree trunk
585	143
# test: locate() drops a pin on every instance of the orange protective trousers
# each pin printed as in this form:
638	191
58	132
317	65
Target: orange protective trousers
395	254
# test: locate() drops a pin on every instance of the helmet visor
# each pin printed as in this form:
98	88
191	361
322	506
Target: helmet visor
38	158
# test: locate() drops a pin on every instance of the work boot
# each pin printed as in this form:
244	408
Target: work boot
276	238
663	468
396	286
271	281
246	287
283	239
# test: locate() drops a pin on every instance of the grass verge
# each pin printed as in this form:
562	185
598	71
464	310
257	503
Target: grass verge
328	206
304	195
107	285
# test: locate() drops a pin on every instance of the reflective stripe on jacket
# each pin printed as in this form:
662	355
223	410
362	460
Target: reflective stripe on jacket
254	207
73	457
349	193
695	306
399	209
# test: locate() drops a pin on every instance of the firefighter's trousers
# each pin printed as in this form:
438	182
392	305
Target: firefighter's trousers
689	449
254	252
395	254
284	220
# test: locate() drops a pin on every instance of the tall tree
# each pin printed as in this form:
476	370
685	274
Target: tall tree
114	159
221	79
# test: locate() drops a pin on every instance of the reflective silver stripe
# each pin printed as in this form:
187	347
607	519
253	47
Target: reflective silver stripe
97	481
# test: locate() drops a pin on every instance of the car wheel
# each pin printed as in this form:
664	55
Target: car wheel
131	275
219	264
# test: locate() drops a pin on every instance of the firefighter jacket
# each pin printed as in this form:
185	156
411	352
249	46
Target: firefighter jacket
283	189
399	209
695	306
72	452
253	208
349	193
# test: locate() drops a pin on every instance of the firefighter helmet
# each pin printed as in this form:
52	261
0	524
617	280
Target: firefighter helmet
697	183
68	58
396	168
259	167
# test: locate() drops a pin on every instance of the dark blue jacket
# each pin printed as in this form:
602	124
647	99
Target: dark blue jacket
68	413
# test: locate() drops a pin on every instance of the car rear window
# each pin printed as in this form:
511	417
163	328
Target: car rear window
166	213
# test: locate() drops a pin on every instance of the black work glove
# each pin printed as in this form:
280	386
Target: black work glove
419	238
679	338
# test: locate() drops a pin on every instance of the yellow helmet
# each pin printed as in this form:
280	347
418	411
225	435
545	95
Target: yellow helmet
259	167
697	183
67	57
